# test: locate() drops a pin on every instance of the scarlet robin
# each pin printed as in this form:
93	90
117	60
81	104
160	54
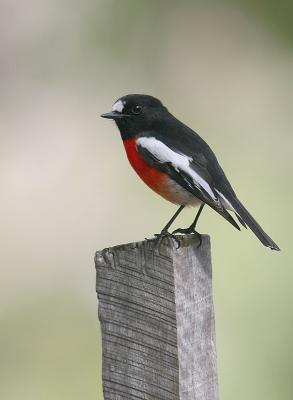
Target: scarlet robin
177	163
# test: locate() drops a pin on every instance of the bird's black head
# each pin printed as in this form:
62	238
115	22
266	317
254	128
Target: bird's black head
135	113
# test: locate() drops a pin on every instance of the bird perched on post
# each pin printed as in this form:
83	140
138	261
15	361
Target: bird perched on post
177	163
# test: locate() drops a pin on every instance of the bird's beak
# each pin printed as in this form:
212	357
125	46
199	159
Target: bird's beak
114	115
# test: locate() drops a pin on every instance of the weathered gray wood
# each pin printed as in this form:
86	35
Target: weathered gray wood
195	321
156	348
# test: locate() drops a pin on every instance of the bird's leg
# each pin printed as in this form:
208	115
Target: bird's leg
191	228
165	232
165	229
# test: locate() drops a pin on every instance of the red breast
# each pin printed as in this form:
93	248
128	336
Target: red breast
156	180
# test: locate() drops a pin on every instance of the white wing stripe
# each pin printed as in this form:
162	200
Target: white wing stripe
180	162
225	202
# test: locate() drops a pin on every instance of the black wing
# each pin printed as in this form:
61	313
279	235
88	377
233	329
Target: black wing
189	172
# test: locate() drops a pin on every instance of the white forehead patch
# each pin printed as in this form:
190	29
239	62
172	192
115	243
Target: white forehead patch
118	106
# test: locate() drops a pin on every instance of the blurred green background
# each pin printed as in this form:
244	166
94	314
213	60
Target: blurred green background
224	68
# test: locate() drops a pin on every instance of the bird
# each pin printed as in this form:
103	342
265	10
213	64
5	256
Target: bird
175	162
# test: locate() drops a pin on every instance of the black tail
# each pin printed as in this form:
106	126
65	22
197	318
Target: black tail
252	224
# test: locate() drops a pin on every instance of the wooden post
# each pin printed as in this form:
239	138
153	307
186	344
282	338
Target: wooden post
157	321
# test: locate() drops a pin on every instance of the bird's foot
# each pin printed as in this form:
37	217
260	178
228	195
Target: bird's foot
164	234
188	231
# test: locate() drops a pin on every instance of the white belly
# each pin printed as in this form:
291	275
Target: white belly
180	195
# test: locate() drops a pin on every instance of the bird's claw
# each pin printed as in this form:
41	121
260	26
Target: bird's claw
164	234
189	231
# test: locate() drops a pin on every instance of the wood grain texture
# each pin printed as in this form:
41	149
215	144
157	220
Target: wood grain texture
195	320
150	342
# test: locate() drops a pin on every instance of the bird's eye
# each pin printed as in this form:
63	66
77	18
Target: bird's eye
136	109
